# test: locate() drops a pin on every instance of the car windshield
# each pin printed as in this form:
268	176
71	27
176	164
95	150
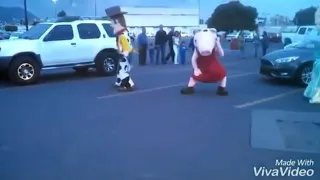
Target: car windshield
36	31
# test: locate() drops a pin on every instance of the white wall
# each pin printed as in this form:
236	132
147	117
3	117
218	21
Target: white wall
142	16
165	20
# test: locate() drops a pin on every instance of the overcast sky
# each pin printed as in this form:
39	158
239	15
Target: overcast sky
46	8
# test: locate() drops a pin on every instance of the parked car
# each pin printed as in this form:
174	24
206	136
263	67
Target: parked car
274	37
78	44
233	35
222	34
291	63
184	34
248	36
15	35
4	35
299	35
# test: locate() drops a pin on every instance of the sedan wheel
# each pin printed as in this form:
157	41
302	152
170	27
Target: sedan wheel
306	74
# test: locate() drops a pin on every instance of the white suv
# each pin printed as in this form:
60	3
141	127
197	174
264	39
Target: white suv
77	44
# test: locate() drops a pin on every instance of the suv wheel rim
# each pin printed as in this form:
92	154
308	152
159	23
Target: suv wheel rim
306	75
109	64
25	71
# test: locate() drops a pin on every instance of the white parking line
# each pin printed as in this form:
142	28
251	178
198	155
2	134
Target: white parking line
267	99
164	87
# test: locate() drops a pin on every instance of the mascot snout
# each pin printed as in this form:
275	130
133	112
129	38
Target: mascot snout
205	42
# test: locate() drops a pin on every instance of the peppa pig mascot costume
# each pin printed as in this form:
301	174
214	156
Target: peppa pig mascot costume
205	63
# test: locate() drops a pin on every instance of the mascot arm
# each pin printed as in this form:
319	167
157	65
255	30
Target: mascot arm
219	49
194	60
125	45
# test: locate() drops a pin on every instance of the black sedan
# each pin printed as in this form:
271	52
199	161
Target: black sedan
292	63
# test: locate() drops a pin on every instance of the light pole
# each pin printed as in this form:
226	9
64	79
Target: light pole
26	14
95	8
55	7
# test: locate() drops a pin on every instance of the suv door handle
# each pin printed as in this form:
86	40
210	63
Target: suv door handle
73	43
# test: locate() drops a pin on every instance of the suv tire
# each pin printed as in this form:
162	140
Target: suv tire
24	70
107	64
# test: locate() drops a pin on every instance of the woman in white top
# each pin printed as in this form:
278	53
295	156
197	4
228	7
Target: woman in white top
176	44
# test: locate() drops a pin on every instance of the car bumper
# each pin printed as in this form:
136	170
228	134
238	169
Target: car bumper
279	71
4	62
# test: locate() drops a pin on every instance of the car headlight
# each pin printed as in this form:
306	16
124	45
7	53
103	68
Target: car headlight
287	59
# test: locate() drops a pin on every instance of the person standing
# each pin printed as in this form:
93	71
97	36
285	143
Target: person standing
265	43
124	81
176	44
170	43
151	52
160	42
312	92
143	46
182	52
256	42
242	44
191	43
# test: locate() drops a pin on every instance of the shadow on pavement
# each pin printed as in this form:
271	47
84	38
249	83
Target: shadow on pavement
279	82
53	77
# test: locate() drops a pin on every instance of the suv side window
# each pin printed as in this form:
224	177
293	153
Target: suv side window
108	29
88	31
302	30
60	33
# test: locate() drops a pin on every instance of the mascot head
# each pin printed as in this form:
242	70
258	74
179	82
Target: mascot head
205	41
118	21
317	18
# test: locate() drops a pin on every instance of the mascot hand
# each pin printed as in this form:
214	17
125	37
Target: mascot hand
197	72
218	40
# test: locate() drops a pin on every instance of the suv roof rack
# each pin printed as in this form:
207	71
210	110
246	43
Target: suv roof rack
77	18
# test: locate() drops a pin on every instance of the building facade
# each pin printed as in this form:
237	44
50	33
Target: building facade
154	16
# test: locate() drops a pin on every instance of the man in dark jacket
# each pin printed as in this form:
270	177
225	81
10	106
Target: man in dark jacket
160	45
265	43
170	43
143	47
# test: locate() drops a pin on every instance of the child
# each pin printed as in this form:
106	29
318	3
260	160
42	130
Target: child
151	52
182	52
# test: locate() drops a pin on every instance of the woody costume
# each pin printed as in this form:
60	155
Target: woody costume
118	22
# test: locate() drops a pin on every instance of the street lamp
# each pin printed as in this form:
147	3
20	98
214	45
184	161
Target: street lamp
25	14
55	7
95	8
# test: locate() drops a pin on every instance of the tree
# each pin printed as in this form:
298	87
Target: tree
62	14
233	16
305	17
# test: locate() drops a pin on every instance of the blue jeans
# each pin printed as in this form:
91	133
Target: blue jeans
161	50
182	57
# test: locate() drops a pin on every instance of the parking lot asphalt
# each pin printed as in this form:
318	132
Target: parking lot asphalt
71	127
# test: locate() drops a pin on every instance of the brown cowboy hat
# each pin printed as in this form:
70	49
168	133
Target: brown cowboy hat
114	11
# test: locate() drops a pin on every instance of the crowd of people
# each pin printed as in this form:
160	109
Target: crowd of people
172	41
257	42
157	50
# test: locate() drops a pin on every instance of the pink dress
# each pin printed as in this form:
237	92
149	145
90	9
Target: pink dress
212	70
